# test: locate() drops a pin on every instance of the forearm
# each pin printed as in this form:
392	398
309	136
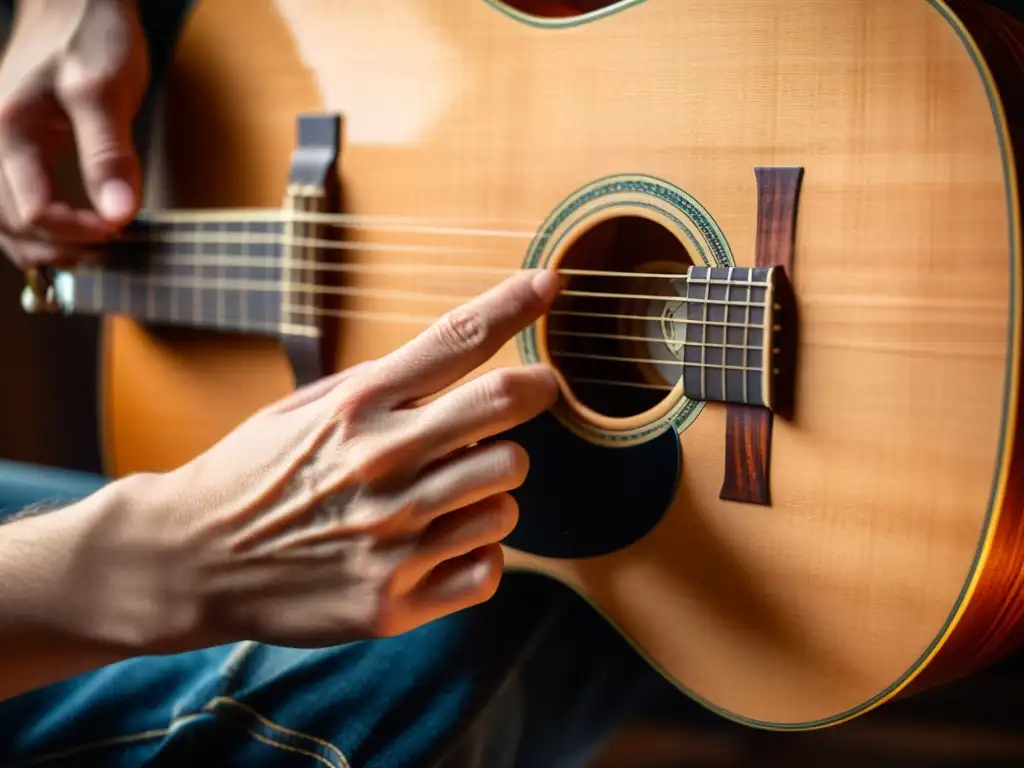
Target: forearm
81	587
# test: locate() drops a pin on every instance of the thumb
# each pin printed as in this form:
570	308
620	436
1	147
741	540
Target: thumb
109	163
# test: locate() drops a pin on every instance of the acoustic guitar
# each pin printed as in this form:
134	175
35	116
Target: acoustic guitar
787	461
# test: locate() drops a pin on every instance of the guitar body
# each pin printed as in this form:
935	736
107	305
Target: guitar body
886	552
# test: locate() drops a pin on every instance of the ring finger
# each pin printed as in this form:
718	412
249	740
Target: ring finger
465	479
458	533
481	408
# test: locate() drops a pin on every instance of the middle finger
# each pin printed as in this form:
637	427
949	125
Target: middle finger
481	408
464	479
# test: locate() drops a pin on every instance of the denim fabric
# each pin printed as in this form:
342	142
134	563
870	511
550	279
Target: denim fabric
532	678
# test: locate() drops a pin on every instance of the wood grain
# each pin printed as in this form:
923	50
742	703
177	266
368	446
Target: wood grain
908	282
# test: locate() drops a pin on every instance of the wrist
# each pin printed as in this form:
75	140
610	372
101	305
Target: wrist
103	573
138	559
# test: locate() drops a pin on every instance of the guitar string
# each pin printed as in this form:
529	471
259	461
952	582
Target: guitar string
312	265
326	244
225	260
376	316
301	290
304	290
266	216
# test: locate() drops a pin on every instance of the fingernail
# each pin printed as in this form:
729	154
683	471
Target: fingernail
545	284
117	200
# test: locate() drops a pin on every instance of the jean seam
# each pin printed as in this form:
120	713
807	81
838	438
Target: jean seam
110	741
334	757
290	748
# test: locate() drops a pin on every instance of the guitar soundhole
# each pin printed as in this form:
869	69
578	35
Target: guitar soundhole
605	334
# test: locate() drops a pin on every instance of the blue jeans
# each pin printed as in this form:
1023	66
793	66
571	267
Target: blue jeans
531	678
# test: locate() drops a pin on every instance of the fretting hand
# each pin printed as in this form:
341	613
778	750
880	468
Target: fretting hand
72	79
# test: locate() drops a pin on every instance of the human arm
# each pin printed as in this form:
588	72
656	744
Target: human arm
365	505
53	621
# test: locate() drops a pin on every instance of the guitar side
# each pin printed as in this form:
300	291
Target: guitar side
890	552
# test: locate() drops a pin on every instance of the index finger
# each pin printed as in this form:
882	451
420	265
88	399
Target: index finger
465	338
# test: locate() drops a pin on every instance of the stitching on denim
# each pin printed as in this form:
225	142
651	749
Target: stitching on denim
232	665
290	748
217	701
111	741
227	679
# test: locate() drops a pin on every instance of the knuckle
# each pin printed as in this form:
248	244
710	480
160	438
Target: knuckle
383	572
351	413
504	515
501	389
461	330
87	85
414	506
362	459
32	212
487	573
505	504
512	461
107	152
384	618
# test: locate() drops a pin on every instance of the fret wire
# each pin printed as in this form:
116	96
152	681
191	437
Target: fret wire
703	348
297	299
313	229
220	303
746	343
197	292
302	233
725	334
307	254
174	294
244	301
287	255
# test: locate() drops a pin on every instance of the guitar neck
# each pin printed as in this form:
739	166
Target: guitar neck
216	274
227	273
